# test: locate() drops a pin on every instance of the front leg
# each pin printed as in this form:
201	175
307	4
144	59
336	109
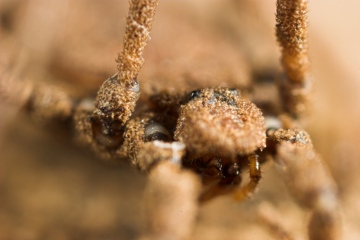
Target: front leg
308	181
171	194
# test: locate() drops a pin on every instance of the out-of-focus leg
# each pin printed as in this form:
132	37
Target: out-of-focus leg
308	181
291	32
171	195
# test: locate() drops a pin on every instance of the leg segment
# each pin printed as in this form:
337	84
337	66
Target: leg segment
308	181
117	96
291	32
255	176
44	102
171	195
274	222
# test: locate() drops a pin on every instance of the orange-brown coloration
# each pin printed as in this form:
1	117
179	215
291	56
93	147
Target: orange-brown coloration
115	102
117	97
291	32
274	221
316	189
135	136
218	122
255	176
219	132
137	33
44	101
50	103
171	202
9	85
104	137
151	153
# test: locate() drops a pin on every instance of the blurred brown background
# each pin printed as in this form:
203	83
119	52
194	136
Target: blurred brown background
51	189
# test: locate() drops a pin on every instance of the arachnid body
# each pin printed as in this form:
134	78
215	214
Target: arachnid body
195	144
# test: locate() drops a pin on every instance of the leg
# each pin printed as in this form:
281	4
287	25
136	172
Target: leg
171	195
43	102
308	181
117	97
255	176
274	222
291	32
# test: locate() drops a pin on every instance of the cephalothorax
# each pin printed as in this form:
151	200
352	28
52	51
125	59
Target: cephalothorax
234	130
194	145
